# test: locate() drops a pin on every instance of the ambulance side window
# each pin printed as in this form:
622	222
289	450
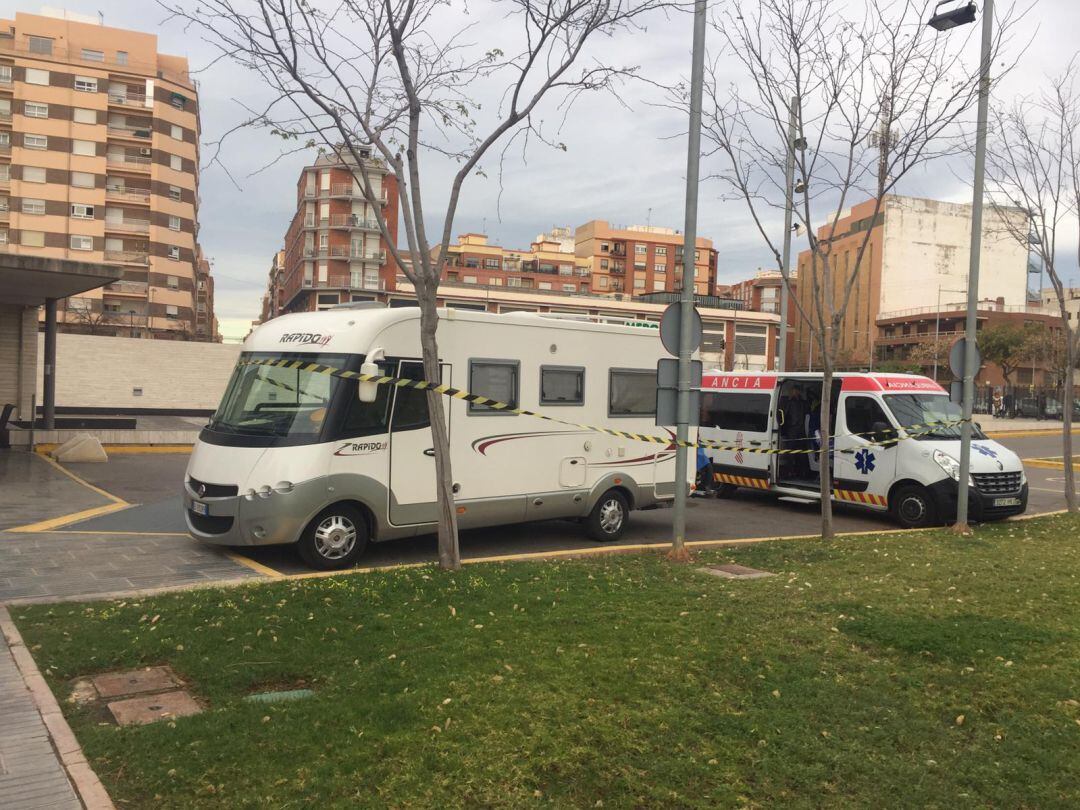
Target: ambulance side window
862	414
746	412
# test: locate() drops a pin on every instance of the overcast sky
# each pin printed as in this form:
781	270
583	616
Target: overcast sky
622	165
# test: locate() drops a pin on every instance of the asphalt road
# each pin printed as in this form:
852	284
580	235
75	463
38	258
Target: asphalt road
151	481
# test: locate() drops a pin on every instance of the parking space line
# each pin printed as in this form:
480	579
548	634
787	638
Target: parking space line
116	534
1026	434
53	523
266	570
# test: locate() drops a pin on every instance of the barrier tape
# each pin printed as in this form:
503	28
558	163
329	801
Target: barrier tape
476	399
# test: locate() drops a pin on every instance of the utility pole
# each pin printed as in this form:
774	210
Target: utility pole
785	259
686	296
971	326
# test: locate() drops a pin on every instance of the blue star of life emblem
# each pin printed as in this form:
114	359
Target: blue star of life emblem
986	451
864	461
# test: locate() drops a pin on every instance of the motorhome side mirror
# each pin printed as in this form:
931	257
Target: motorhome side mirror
368	391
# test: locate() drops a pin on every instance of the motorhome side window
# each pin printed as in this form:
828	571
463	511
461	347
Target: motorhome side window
746	412
494	379
631	392
365	418
562	385
410	404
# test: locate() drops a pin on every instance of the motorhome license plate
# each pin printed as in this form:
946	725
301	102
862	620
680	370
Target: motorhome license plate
203	509
1006	501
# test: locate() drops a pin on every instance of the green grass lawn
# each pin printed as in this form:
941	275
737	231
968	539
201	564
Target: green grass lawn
918	670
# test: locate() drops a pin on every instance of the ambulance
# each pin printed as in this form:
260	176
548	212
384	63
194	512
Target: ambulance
895	445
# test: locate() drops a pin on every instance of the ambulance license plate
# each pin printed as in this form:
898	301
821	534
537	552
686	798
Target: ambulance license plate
202	509
1006	501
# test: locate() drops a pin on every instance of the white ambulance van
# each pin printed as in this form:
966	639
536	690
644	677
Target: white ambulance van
297	456
889	451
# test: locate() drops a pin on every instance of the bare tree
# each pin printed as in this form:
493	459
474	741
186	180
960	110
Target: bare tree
873	94
401	78
1033	163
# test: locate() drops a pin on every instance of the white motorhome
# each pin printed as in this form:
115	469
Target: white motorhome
891	451
296	456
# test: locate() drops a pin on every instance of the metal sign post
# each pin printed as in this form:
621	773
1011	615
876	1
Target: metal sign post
686	299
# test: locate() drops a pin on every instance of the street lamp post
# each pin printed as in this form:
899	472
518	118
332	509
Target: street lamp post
785	259
961	15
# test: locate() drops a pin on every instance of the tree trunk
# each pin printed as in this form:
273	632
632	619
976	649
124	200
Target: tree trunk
825	457
449	554
1066	421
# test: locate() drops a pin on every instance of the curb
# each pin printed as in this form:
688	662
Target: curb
86	783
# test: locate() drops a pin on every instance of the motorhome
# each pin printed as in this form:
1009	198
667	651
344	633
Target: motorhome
294	455
895	444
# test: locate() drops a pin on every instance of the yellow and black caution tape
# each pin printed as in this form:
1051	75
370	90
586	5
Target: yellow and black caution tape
457	393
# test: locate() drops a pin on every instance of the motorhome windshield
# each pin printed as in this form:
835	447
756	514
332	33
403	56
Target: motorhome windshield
921	415
279	402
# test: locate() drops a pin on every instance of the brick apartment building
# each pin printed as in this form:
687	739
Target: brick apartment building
334	251
641	259
549	264
99	152
761	293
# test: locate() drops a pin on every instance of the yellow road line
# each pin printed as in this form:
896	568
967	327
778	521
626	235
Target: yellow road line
265	570
1026	434
64	520
53	523
1049	463
119	534
126	449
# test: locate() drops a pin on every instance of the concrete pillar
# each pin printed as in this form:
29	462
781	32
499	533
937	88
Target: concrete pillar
48	399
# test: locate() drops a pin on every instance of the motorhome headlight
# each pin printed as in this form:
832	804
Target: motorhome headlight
949	464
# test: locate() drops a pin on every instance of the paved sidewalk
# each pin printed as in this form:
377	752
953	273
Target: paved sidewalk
31	775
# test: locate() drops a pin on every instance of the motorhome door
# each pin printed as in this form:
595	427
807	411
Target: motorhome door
412	450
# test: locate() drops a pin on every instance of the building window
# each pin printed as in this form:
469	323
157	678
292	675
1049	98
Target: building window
469	279
82	179
640	249
640	265
82	242
543	285
90	55
172	282
3	237
33	206
121	57
42	45
174	252
658	284
5	74
86	84
174	193
174	223
631	392
81	115
495	281
659	268
569	288
171	312
175	163
88	148
494	379
33	109
176	132
562	385
35	142
33	174
660	250
178	101
32	238
605	247
80	211
36	76
639	282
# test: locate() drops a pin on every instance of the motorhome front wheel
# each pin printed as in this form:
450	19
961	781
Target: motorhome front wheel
334	539
607	521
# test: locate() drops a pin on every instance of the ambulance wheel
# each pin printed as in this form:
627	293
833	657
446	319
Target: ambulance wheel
334	539
608	518
913	508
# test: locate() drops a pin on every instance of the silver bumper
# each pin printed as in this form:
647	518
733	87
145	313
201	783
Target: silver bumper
254	520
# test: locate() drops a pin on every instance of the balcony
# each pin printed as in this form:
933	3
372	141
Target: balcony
351	221
124	318
136	162
5	177
127	194
129	131
5	116
5	148
127	288
128	256
128	100
128	225
348	190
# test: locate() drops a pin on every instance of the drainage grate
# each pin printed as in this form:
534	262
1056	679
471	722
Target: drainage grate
735	572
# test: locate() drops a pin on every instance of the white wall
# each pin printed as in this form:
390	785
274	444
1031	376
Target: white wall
93	371
926	246
18	324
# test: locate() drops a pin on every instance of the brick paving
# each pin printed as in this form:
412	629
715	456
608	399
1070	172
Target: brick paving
31	775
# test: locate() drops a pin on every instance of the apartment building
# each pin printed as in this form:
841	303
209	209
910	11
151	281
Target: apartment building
640	258
761	293
206	322
334	251
99	152
916	261
550	263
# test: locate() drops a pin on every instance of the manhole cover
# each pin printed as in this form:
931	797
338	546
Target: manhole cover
735	572
135	681
151	708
